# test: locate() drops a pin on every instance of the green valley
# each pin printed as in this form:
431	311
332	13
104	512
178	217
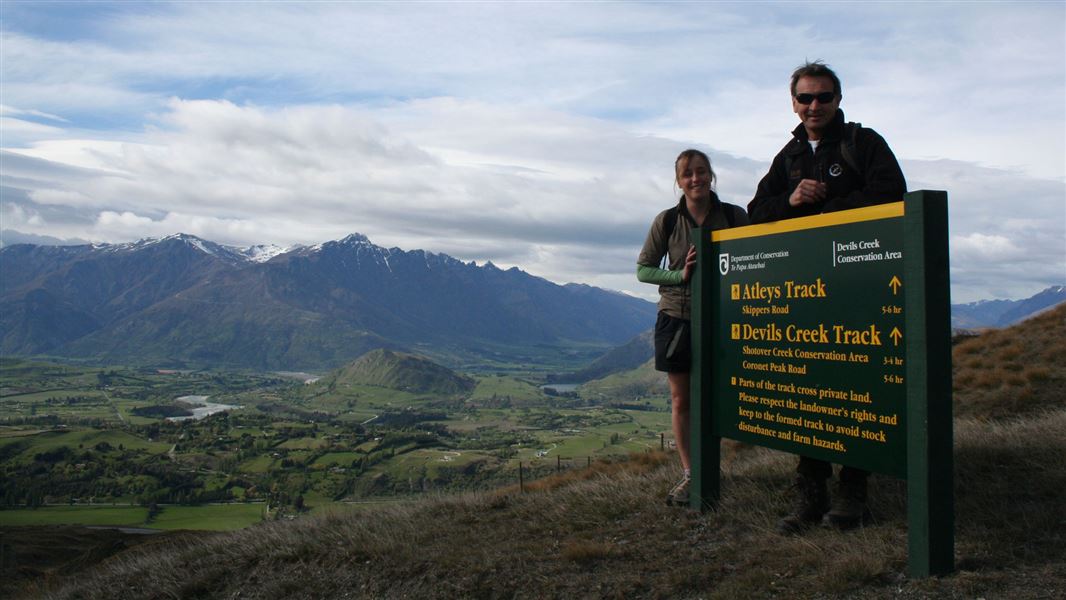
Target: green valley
129	446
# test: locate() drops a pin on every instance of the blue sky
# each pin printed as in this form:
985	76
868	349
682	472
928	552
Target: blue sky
536	134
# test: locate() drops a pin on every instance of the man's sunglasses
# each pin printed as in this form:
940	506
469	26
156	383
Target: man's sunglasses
823	98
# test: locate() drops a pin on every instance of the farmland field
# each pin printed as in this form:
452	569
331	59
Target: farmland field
74	440
211	517
126	516
220	517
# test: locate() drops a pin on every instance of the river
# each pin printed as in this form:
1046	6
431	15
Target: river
304	377
203	408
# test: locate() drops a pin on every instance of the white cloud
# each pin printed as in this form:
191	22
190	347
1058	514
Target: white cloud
8	111
124	220
128	226
26	129
14	216
531	137
979	246
96	155
59	197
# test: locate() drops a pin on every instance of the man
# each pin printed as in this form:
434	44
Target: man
828	165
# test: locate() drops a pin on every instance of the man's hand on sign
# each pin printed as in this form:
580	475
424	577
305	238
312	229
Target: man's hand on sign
808	191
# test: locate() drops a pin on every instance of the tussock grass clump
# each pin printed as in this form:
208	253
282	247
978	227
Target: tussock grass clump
1002	373
586	552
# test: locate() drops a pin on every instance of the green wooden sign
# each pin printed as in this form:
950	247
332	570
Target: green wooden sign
810	342
829	336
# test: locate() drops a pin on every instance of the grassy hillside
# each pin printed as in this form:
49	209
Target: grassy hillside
399	371
606	532
610	535
627	356
641	384
1004	372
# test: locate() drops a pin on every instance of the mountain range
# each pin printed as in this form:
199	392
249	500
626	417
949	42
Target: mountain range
182	300
1003	313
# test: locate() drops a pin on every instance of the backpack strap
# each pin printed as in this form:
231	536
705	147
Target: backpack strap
669	222
848	150
790	158
673	214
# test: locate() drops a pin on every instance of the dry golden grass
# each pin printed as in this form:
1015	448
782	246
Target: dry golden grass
635	463
586	552
1006	372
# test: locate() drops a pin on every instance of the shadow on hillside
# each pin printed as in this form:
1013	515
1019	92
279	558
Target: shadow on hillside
1010	508
42	553
1009	504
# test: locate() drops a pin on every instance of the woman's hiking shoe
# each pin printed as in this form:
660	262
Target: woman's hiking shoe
810	500
849	506
679	495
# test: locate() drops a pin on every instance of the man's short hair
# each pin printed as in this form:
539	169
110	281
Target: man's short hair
815	69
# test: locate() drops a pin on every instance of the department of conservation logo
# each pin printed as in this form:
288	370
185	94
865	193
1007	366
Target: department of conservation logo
723	263
835	170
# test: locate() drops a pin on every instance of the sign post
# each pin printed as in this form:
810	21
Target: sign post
829	337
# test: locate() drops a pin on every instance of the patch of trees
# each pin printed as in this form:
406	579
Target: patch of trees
161	411
12	449
634	406
73	400
407	418
494	439
552	420
54	455
37	420
278	410
64	474
410	439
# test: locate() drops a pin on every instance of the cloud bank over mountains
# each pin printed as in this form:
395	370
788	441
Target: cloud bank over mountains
514	133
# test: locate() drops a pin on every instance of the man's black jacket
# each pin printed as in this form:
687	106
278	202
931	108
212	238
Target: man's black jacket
877	181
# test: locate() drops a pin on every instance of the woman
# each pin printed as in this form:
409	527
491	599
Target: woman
668	237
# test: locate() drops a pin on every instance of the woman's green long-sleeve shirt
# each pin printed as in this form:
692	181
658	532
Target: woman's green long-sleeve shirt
657	276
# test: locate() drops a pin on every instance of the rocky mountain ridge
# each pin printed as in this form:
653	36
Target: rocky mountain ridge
1003	313
183	300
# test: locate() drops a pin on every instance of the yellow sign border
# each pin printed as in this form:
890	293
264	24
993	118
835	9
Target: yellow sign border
855	215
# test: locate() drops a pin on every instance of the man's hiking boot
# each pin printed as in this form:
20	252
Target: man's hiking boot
810	500
679	495
849	506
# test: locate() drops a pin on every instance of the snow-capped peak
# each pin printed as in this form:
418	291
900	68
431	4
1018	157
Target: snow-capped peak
261	253
355	239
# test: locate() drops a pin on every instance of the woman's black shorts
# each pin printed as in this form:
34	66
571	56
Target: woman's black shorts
673	344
